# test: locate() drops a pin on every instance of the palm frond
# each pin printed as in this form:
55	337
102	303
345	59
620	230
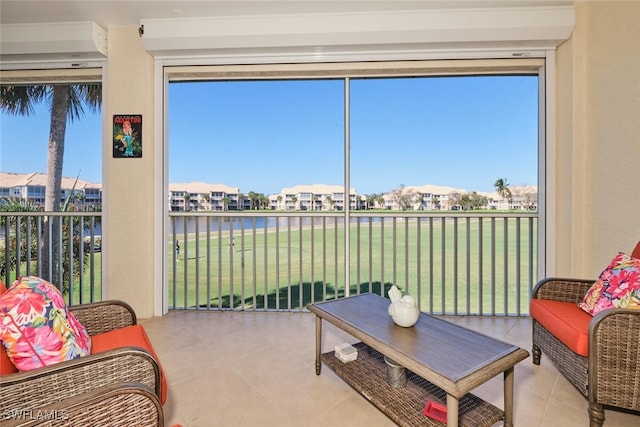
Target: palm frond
20	100
89	95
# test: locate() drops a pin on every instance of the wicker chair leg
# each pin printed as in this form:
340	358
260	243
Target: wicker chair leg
596	415
535	351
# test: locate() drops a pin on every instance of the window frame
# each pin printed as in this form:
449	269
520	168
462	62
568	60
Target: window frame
542	65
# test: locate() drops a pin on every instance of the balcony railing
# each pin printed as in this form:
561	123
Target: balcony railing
456	263
62	247
465	264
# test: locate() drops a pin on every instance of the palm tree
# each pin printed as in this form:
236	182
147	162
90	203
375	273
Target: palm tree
80	198
370	200
503	190
253	200
263	201
330	201
66	102
225	202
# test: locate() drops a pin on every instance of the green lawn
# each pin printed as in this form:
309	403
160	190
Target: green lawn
81	292
291	268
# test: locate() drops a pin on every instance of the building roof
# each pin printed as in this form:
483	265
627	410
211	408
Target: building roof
11	180
435	189
316	189
203	188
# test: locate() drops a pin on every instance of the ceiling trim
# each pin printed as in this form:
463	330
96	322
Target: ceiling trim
75	41
337	36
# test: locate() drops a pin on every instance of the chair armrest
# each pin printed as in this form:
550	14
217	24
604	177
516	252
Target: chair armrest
614	358
43	386
124	404
558	289
105	316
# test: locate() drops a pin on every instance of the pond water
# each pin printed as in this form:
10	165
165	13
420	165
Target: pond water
248	223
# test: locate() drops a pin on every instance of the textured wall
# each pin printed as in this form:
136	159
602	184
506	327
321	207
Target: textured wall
129	207
598	137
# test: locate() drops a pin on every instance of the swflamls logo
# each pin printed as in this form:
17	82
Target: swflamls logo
35	414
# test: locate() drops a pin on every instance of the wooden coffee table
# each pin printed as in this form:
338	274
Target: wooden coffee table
451	358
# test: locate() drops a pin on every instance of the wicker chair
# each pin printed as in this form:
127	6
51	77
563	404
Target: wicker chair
609	376
124	404
39	388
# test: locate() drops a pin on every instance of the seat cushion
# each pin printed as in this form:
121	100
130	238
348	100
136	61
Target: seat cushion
130	336
566	321
36	328
636	251
6	365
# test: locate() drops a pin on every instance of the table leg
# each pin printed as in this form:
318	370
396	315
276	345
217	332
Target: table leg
508	397
452	411
318	344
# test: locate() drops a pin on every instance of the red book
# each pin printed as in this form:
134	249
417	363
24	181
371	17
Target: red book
435	410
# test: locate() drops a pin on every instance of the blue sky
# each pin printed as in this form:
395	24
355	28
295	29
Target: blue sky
463	132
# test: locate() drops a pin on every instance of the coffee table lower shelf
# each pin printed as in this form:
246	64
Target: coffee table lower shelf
404	405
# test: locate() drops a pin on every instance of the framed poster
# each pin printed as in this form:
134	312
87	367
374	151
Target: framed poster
127	135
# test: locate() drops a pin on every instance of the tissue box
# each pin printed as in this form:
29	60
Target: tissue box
346	352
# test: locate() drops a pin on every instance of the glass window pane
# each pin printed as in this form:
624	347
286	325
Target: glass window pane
25	150
257	136
457	132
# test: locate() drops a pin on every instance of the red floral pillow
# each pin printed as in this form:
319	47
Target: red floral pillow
617	287
36	328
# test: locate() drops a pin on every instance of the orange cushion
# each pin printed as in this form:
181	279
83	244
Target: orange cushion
6	365
566	321
130	336
3	288
636	251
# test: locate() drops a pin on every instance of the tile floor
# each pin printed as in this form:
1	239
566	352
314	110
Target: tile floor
257	369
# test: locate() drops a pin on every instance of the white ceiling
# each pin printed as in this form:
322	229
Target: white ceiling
114	12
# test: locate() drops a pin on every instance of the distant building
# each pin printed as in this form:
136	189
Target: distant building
199	196
314	197
31	188
431	197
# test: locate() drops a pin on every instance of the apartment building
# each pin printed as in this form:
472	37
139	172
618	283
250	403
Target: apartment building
31	188
314	197
199	196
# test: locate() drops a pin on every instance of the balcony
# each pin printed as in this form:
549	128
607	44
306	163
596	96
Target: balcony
257	369
238	353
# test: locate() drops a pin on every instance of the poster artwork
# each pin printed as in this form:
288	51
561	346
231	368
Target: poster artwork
127	135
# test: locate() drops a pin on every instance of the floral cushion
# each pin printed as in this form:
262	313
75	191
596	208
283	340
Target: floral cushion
36	328
617	287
